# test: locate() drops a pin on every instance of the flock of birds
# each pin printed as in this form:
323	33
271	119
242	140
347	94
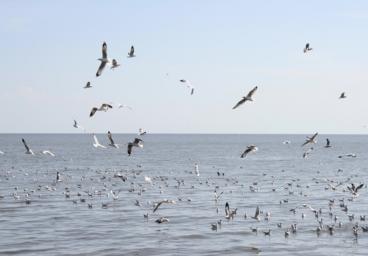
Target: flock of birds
230	213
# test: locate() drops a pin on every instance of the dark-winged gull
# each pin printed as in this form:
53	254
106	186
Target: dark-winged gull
103	107
311	140
28	150
307	48
112	143
104	60
246	98
249	149
131	53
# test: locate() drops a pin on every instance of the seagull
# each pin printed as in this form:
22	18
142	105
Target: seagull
311	139
246	98
88	85
196	169
131	53
141	132
48	152
162	202
103	107
104	60
342	95
188	84
256	215
97	144
28	150
136	143
327	143
306	153
286	142
112	143
354	189
115	64
251	148
307	48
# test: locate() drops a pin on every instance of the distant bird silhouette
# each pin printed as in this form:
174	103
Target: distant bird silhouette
251	148
307	48
131	53
342	95
311	140
327	143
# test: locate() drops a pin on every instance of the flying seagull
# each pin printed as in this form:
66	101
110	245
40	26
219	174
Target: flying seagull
131	53
342	95
142	132
103	107
112	143
97	144
104	60
124	106
136	143
307	48
28	150
311	139
188	84
115	64
354	189
256	215
88	85
327	143
246	98
249	149
163	202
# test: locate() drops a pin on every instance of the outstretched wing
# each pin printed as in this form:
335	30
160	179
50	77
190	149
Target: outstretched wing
250	94
93	111
101	68
257	213
25	144
110	138
104	50
130	146
239	103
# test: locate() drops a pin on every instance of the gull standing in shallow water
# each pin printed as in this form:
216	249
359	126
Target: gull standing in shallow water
28	150
246	98
251	148
97	144
104	60
311	140
112	143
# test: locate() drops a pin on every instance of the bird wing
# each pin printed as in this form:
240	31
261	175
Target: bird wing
101	68
131	50
93	111
158	205
130	146
250	94
110	138
245	153
314	136
25	144
104	50
359	187
137	141
192	91
95	139
104	105
239	103
257	212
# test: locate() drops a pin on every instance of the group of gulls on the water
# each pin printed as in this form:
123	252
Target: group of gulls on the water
345	186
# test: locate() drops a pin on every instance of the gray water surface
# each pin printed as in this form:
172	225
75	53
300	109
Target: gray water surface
52	224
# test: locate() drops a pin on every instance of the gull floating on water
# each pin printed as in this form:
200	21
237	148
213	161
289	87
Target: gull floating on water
97	144
28	150
307	48
88	85
104	60
251	148
131	53
103	107
246	98
112	143
327	143
311	140
188	84
342	95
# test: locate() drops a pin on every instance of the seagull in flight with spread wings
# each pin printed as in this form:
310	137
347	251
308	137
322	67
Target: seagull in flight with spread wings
311	140
188	84
246	98
112	143
249	149
96	143
28	150
104	60
103	107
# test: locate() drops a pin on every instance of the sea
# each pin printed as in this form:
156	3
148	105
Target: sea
97	206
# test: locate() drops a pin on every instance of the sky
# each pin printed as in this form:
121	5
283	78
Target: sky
50	49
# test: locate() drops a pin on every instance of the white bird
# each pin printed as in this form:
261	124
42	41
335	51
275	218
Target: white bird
188	84
97	144
1	152
307	48
103	107
48	152
88	85
246	98
131	53
28	150
104	60
112	143
196	169
115	64
141	132
147	179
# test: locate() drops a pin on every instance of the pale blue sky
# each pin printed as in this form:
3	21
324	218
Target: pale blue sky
224	48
